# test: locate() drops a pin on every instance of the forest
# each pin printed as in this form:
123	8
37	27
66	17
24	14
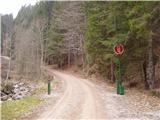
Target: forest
80	36
83	34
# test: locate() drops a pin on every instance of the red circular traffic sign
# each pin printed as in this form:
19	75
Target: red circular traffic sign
118	49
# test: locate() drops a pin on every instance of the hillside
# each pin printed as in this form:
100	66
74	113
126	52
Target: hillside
84	33
53	39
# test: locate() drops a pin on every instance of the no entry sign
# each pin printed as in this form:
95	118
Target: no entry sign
118	49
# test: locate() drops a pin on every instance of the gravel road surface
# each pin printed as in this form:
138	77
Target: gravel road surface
83	99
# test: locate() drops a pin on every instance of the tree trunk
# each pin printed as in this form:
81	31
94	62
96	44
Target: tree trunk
144	74
69	55
9	64
150	66
82	51
42	51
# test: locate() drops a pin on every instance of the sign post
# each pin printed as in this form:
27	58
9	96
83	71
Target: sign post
118	49
49	87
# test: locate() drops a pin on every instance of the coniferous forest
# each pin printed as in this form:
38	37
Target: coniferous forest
84	33
81	35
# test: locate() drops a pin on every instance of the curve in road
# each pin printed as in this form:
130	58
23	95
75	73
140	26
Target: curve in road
80	100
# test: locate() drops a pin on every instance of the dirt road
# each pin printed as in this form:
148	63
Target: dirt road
83	99
80	100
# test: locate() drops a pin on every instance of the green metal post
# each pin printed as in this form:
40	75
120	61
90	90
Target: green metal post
119	69
121	92
117	86
49	87
120	88
118	81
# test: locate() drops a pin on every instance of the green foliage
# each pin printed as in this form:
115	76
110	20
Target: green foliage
130	23
155	93
3	30
25	16
109	23
30	13
55	37
105	28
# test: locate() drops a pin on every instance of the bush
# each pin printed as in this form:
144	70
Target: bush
155	93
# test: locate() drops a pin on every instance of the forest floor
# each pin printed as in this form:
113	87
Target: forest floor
80	98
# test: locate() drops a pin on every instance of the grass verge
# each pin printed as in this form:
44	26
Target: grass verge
13	109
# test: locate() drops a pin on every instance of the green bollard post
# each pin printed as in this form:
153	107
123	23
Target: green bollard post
121	90
118	49
119	67
117	86
49	87
118	82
